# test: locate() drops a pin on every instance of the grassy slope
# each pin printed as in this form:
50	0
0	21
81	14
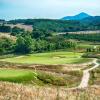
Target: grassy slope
40	78
49	58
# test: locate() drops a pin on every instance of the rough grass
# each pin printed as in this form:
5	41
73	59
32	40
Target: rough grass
49	58
7	35
92	55
95	76
69	79
9	91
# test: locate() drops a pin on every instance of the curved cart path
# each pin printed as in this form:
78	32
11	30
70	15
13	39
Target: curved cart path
86	75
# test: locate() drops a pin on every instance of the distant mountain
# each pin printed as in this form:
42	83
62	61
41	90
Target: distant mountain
93	20
77	17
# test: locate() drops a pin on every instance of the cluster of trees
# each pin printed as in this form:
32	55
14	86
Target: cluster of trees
24	44
6	45
93	49
4	28
28	44
16	31
37	41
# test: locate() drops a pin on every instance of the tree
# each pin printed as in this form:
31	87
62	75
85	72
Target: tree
29	44
17	31
6	45
40	34
37	34
41	45
4	28
25	44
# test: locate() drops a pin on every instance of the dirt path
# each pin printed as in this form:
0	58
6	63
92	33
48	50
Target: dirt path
86	75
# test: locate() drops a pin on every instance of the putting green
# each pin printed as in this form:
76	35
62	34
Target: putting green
49	58
14	75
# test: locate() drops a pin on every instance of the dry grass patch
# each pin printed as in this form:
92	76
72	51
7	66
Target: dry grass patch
95	77
7	35
10	91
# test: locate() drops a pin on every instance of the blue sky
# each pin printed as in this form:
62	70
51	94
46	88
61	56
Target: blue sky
14	9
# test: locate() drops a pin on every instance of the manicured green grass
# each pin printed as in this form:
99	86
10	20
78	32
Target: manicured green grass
85	45
49	58
13	75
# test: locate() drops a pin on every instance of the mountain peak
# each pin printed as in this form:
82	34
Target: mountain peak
83	14
79	16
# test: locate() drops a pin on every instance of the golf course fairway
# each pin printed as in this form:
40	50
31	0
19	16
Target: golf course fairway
49	58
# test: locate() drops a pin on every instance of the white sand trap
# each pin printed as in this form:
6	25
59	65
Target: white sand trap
56	57
19	57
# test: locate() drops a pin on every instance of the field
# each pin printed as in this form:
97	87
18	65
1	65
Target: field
26	27
49	58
